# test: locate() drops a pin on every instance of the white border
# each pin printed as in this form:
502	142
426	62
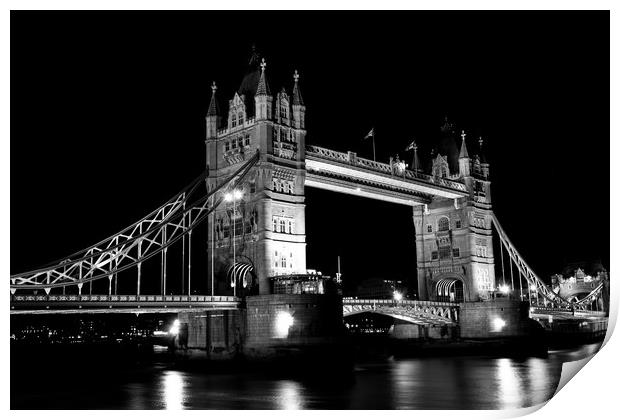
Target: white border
592	394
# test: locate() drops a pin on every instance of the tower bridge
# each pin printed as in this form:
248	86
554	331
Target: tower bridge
251	198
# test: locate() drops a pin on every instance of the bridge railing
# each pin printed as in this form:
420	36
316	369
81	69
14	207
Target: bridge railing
353	160
122	298
550	310
402	302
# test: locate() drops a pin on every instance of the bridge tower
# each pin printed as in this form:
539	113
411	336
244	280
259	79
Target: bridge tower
453	237
267	220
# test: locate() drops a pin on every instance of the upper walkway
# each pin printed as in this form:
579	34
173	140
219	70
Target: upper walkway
347	173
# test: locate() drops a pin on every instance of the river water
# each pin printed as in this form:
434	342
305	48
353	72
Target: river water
420	383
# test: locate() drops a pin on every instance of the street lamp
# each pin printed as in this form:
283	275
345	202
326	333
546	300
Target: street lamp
233	196
398	296
504	289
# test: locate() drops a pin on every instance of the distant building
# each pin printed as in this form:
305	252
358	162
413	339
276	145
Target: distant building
578	280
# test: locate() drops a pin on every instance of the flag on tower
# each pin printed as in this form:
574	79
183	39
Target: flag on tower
371	133
410	147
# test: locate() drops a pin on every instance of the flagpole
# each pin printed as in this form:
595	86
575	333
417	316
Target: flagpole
374	157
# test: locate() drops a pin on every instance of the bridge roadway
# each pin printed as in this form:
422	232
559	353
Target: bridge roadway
69	304
415	311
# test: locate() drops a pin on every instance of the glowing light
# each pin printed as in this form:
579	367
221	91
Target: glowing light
504	289
498	324
234	195
534	288
284	321
398	296
174	330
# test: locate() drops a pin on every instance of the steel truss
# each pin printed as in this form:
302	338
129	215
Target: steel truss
150	236
534	282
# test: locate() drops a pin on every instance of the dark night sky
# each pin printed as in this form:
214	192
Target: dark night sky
107	119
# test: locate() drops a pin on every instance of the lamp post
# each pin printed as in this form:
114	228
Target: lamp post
233	196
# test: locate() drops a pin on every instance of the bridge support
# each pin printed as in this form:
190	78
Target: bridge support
211	335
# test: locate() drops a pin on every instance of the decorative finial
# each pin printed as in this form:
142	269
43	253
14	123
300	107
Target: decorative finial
263	64
296	76
463	134
213	87
415	146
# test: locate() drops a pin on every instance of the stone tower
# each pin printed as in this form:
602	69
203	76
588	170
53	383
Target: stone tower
266	222
453	237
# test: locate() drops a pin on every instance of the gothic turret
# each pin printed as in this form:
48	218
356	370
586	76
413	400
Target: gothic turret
212	117
464	161
299	109
262	98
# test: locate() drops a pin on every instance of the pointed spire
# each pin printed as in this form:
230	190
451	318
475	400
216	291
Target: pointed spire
463	153
297	99
213	105
263	87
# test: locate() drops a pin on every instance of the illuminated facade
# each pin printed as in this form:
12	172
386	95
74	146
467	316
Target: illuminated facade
453	237
268	221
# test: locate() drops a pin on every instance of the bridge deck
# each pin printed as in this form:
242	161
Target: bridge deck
64	304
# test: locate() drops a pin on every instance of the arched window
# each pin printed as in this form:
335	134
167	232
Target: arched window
443	224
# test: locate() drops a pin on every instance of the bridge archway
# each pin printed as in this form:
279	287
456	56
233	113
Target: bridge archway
244	273
450	287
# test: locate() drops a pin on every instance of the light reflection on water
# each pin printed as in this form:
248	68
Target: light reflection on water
173	389
424	383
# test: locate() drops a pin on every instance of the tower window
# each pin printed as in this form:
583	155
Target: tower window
456	253
240	117
247	139
457	224
429	228
443	224
233	121
444	252
434	255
